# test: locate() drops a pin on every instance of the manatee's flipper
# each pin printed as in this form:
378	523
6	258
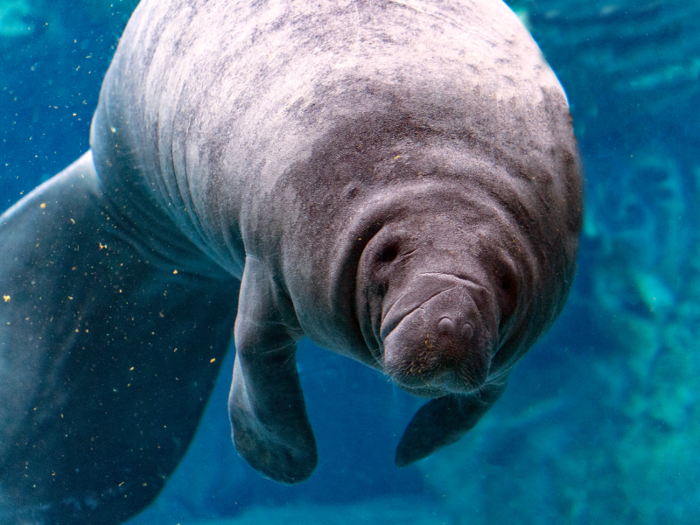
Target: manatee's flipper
108	353
444	421
266	405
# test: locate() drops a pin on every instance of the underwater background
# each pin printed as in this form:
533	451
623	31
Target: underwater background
601	420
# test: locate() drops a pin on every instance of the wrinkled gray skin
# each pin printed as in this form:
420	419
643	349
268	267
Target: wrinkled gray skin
396	180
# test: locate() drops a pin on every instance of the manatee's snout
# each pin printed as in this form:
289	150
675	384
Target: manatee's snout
442	344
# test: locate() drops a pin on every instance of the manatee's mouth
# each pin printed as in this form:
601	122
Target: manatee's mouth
416	298
400	310
439	342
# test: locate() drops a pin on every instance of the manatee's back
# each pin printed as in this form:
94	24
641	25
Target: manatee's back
213	101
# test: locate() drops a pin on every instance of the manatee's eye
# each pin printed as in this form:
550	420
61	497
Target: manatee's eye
509	289
389	253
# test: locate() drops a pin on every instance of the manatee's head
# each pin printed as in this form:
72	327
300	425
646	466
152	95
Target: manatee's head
434	293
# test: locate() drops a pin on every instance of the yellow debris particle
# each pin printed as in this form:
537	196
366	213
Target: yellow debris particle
131	368
174	271
73	221
7	298
161	314
42	205
212	360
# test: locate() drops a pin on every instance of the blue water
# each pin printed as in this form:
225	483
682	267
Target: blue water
600	422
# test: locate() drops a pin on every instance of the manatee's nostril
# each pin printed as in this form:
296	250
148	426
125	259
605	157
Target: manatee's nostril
446	326
467	331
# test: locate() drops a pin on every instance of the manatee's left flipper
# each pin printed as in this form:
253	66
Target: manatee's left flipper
111	336
266	405
444	421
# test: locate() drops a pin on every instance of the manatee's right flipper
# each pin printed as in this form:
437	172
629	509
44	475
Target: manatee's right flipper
108	352
266	405
443	421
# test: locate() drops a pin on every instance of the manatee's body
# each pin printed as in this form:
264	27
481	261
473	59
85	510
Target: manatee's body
398	181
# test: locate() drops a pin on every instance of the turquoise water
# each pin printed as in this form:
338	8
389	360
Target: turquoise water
600	422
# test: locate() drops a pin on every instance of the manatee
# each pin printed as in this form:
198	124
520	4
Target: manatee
396	180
